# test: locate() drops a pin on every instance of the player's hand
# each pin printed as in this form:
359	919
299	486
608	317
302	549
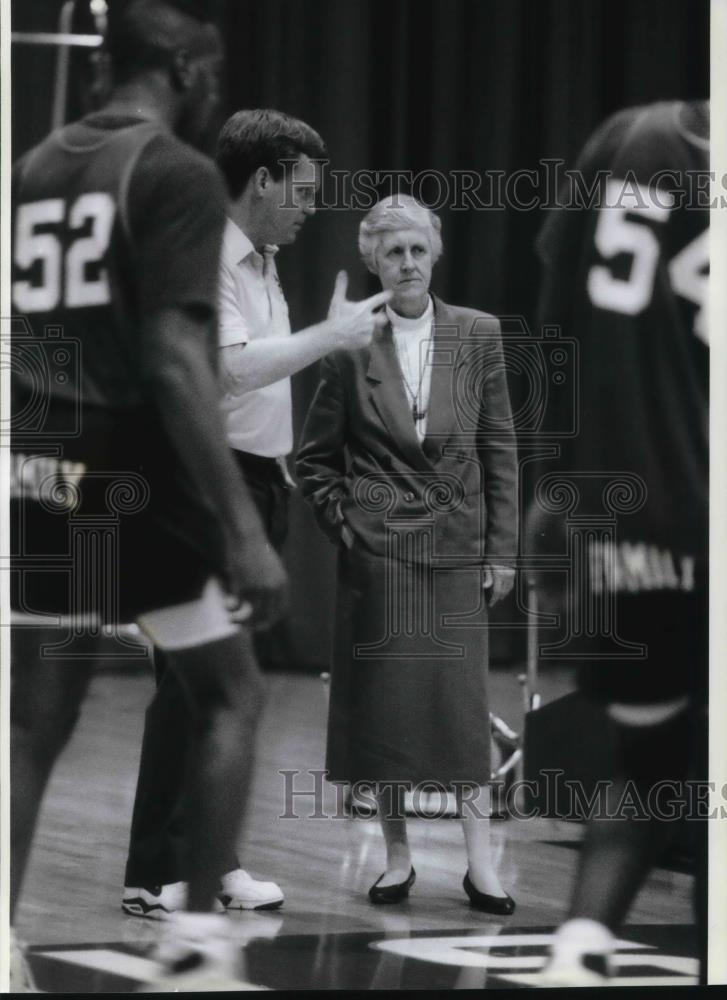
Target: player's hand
354	322
257	583
498	580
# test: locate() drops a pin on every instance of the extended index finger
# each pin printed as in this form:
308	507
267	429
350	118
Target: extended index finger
377	300
340	287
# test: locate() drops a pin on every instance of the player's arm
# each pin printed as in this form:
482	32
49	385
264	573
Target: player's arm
182	383
176	204
253	363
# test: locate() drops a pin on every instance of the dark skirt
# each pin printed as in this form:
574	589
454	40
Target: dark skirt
408	685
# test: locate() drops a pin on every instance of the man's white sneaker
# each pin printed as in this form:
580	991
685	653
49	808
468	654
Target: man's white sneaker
157	903
580	955
240	891
197	954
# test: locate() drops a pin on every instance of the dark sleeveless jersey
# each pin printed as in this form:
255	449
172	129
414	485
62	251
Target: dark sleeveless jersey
626	266
112	218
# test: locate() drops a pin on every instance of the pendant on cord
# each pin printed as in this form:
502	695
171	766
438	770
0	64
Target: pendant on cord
417	414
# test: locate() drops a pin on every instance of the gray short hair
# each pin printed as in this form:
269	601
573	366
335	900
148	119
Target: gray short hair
398	211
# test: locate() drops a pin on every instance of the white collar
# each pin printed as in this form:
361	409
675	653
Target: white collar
403	324
237	246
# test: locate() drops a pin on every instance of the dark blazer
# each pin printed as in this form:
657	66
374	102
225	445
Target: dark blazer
367	476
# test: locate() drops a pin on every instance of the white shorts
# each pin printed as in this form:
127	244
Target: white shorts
206	619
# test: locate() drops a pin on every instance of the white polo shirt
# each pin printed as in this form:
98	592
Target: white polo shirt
252	306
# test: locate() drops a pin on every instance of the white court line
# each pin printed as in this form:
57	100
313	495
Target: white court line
685	972
472	951
497	941
534	980
118	963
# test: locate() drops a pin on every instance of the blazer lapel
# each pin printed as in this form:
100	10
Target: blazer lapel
444	358
389	397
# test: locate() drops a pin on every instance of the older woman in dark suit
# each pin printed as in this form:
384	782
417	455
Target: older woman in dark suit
408	460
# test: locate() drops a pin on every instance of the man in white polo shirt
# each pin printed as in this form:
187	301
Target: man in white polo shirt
271	164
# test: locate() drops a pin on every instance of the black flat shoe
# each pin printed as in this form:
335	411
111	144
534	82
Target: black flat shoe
501	906
391	893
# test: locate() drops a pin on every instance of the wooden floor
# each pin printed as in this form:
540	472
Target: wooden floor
325	866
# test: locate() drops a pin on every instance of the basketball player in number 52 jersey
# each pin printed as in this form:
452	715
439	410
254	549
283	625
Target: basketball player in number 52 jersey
126	504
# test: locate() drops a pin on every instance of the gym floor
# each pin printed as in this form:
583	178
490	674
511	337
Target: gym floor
327	935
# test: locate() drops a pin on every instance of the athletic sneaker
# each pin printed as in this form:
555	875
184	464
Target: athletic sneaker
580	956
21	978
198	954
157	903
239	891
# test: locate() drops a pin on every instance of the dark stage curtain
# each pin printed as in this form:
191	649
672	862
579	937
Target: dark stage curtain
445	85
420	85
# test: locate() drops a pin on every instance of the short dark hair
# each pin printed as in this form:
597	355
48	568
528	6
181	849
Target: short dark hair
263	138
143	35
